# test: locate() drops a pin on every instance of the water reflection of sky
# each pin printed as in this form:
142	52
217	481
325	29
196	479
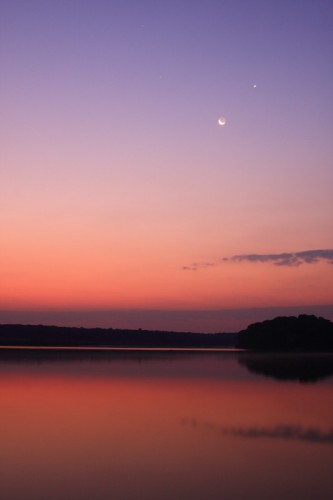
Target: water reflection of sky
224	365
138	364
160	427
282	431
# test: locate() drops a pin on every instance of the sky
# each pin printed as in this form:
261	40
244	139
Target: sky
124	203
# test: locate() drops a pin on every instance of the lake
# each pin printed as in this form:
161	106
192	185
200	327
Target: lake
151	424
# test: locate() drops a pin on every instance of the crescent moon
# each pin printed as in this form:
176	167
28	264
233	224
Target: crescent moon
222	121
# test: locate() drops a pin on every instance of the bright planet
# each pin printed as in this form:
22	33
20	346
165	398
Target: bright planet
222	121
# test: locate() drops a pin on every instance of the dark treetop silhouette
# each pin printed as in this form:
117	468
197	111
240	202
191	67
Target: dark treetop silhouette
302	333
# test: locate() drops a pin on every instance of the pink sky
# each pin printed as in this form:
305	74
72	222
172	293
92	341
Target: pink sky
118	186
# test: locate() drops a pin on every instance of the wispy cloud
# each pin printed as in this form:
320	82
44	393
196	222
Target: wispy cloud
199	265
289	259
286	259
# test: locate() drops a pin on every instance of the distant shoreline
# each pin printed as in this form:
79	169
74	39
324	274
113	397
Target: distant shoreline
305	333
56	336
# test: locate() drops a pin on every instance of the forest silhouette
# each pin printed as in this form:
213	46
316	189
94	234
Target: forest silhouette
306	333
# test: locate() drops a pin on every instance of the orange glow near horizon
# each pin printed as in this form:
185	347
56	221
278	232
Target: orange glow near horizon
81	282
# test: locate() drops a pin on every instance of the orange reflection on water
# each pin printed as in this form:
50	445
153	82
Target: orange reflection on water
76	436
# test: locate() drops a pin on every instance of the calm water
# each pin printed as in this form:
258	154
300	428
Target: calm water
165	425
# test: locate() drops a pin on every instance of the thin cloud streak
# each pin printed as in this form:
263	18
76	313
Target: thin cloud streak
199	265
286	259
289	259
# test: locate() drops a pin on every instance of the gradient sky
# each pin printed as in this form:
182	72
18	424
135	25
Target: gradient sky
124	203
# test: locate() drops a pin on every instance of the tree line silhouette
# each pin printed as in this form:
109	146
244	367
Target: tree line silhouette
302	333
41	335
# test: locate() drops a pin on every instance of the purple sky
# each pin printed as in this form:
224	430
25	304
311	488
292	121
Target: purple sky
115	177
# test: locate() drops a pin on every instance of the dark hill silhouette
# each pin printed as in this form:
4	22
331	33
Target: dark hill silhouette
302	333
